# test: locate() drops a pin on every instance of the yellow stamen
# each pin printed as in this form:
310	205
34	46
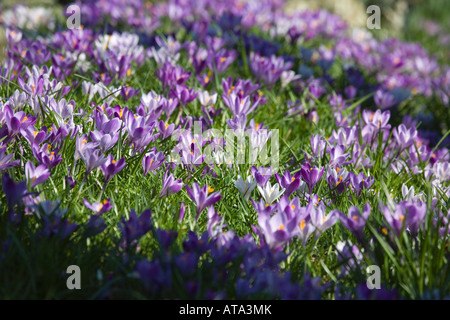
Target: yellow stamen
293	207
302	225
281	227
210	189
384	230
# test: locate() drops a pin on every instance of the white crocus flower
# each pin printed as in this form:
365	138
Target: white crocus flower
408	194
207	99
245	187
270	193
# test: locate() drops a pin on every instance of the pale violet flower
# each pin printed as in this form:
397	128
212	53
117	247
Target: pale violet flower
270	193
408	194
245	187
207	99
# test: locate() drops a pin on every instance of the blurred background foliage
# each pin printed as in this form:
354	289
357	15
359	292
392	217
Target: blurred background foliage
409	20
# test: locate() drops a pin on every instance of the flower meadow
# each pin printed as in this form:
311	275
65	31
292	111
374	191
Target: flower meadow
220	150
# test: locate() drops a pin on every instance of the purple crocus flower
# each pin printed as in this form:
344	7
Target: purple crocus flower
14	192
289	182
182	211
261	175
202	197
268	69
354	221
135	227
360	182
337	179
407	214
338	156
171	76
5	160
378	119
311	175
111	167
46	155
318	145
183	94
316	220
35	175
34	136
170	185
403	136
349	256
93	159
219	61
94	226
17	121
239	105
384	99
262	208
99	207
128	92
165	129
104	141
56	225
152	161
278	228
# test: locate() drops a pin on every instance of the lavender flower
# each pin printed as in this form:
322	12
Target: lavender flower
404	137
35	175
5	160
135	227
170	185
152	161
261	175
354	221
311	175
202	197
98	207
111	167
